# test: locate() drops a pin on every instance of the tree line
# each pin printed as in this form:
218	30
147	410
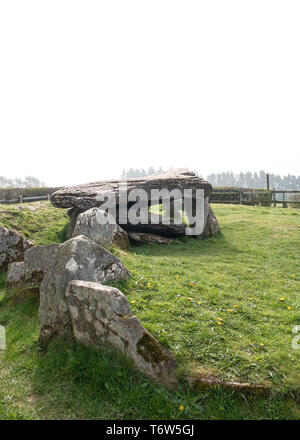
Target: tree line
28	182
243	179
255	180
140	172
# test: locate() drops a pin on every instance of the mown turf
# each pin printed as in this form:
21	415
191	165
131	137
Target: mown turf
224	306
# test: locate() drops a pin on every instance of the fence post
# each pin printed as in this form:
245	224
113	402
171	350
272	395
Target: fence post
21	198
284	205
274	198
241	202
268	182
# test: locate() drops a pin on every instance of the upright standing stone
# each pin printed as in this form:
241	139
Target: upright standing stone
102	315
12	247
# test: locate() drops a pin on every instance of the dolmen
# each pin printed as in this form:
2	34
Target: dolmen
73	279
135	206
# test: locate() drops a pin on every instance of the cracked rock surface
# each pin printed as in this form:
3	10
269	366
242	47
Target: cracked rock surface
12	247
101	227
102	315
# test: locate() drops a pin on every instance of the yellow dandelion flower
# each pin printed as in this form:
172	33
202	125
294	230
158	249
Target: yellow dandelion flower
230	310
219	319
148	285
262	344
181	408
179	287
199	302
189	298
219	322
289	308
133	301
282	298
236	306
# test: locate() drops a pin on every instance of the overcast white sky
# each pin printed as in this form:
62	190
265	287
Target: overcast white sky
90	87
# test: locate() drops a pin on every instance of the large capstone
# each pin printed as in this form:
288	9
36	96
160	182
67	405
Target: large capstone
92	195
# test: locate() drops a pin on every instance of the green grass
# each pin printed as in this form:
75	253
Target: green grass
45	225
242	277
178	292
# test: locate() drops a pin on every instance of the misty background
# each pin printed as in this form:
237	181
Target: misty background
89	89
243	179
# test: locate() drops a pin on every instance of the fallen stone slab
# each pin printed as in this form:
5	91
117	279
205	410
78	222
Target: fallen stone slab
101	227
77	259
12	247
102	315
143	238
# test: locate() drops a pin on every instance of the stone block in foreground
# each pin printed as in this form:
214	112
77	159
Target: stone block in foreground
102	315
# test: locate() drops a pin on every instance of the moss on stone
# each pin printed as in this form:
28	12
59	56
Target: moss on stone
149	349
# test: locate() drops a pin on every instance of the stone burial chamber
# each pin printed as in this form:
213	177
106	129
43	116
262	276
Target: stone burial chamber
73	279
125	193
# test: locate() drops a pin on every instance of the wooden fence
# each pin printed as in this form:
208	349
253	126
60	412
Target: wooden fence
22	199
257	198
241	197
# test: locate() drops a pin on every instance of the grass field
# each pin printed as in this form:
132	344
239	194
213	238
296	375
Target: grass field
225	307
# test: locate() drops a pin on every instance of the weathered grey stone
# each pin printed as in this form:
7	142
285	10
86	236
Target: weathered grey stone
77	259
151	223
143	238
15	277
101	227
212	227
38	261
29	274
102	315
93	194
83	197
73	214
12	247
